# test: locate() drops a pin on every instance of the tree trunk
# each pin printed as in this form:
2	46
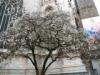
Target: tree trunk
40	72
37	72
91	65
88	64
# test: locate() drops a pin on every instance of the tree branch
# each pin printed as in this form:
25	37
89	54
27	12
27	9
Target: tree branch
32	48
34	58
53	60
45	61
26	56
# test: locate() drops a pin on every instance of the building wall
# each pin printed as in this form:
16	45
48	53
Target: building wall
41	5
86	8
96	65
89	9
31	6
60	66
97	4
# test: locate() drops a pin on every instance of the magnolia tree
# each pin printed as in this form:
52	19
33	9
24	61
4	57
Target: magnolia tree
52	34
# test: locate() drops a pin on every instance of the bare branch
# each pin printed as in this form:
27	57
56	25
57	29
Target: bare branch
26	56
45	61
53	60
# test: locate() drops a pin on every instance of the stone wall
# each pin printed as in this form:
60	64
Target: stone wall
96	65
87	8
32	6
60	66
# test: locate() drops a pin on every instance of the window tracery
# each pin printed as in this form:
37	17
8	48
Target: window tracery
10	11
